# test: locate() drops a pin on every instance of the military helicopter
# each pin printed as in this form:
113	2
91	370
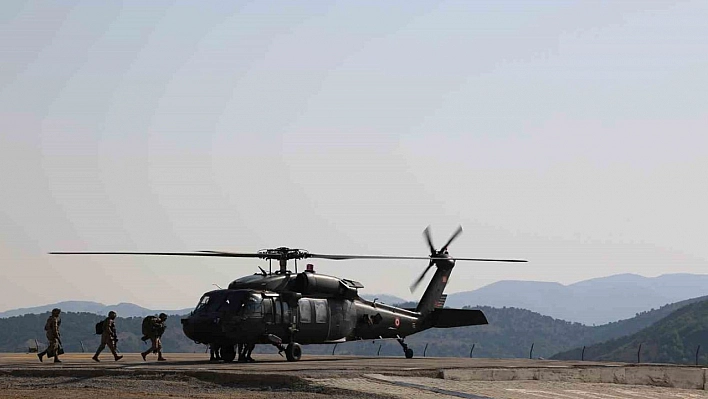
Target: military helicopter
286	308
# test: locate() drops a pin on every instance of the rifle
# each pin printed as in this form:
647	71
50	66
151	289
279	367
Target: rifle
115	342
60	349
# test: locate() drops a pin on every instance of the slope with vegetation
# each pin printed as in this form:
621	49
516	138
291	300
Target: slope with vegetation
510	334
673	339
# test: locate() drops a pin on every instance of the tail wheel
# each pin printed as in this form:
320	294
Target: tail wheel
228	353
293	352
409	353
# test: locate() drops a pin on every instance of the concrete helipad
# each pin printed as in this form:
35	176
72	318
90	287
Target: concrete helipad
395	376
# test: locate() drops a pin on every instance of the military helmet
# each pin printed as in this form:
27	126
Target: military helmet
163	316
112	315
56	311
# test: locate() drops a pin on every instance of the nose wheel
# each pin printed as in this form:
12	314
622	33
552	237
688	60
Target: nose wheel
228	353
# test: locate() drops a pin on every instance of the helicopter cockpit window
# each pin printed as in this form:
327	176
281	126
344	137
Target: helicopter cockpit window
202	303
234	301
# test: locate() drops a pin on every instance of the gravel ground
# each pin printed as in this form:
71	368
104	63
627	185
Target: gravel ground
172	386
433	388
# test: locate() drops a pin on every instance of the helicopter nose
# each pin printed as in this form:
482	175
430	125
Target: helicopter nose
201	329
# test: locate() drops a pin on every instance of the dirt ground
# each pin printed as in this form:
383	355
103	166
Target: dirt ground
167	386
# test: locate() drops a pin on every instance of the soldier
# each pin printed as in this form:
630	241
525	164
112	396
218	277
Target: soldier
244	353
153	328
108	337
214	352
52	329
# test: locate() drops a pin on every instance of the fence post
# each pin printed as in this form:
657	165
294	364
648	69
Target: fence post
531	352
471	350
425	350
334	349
639	353
582	355
82	347
697	350
379	351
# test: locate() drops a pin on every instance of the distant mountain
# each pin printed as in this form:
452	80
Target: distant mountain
596	301
123	309
674	339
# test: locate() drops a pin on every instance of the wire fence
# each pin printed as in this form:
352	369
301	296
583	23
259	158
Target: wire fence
38	346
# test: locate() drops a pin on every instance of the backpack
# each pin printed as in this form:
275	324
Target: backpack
99	327
150	326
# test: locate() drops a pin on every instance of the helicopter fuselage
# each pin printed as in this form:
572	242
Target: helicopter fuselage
248	316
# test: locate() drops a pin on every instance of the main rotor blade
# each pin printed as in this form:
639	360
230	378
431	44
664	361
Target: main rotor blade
347	257
454	235
218	254
426	233
202	253
421	277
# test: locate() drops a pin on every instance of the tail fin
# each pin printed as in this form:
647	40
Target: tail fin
433	294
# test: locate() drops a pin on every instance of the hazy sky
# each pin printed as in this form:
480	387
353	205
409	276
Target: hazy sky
572	134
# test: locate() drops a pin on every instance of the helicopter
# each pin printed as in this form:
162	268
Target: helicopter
288	309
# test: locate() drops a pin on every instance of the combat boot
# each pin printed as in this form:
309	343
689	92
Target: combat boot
118	357
56	360
40	356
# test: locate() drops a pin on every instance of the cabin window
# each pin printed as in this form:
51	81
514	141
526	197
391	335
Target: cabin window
286	313
268	310
254	307
278	311
305	311
320	310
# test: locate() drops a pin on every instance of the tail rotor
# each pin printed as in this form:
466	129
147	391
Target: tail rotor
435	255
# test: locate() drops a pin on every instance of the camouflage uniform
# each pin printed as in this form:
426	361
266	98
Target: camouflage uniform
109	337
155	336
52	332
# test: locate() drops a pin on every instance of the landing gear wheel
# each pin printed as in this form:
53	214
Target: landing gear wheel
293	352
228	353
406	350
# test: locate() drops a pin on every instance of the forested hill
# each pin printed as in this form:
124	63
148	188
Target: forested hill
510	333
673	339
18	333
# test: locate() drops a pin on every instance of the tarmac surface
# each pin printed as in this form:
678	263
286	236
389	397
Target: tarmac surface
192	375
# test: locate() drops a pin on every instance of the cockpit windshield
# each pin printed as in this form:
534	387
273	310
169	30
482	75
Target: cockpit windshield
202	303
215	301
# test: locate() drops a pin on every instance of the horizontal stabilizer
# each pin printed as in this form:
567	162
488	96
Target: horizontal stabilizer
446	318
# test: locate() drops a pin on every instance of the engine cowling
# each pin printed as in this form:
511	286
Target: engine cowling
322	285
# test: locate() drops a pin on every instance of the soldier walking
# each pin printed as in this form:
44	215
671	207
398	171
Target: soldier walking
153	328
109	337
52	331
